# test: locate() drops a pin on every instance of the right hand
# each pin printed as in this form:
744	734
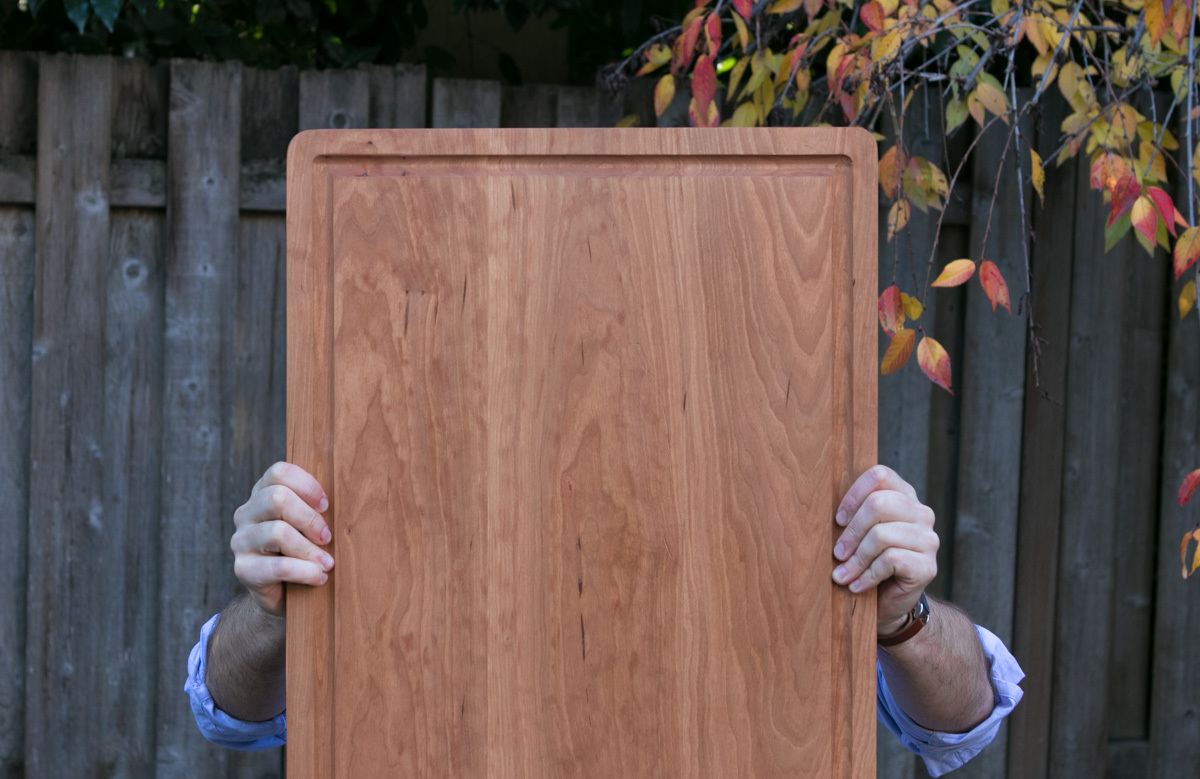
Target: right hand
279	535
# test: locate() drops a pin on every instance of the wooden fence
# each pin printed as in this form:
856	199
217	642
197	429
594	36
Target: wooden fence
142	251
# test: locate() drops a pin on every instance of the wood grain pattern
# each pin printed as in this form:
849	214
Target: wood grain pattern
584	403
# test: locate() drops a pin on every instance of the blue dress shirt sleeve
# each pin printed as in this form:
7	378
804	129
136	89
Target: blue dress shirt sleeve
217	726
944	752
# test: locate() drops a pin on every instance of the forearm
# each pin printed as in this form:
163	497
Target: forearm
940	676
245	672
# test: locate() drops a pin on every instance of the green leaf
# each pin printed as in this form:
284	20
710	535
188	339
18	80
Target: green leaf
1116	231
956	114
77	12
107	11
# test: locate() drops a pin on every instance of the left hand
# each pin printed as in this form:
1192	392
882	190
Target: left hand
888	542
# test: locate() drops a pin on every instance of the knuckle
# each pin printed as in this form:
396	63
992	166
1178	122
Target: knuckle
276	473
279	497
239	514
878	473
878	502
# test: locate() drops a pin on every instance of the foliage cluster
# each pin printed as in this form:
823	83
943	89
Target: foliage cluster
851	62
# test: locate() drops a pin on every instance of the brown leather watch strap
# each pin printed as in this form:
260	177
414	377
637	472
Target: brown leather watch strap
917	619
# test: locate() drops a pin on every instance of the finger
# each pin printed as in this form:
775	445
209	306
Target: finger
880	506
899	535
298	480
278	537
908	569
279	502
877	477
259	572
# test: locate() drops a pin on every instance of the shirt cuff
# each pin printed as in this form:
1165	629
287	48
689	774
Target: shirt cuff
215	725
944	752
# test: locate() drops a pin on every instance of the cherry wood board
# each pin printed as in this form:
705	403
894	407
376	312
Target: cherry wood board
584	402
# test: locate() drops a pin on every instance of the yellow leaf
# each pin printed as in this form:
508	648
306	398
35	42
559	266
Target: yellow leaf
735	75
898	217
954	273
912	306
743	34
934	362
975	108
1037	174
629	121
899	350
746	115
1187	299
992	99
784	6
664	93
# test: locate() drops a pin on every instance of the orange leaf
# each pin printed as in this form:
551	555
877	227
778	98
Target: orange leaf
934	362
898	351
993	285
891	169
1187	298
872	15
891	310
1144	218
1164	206
1156	20
954	273
1191	535
664	93
1187	250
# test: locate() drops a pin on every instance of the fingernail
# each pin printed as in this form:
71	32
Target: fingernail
841	517
856	585
326	562
325	536
839	551
839	574
324	504
324	578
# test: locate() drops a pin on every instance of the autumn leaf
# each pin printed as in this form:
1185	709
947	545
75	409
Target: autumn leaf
1188	487
712	34
934	362
956	113
1187	250
993	285
1187	299
1124	194
746	115
1191	535
1037	175
891	168
1156	20
891	310
656	56
630	120
1164	206
743	7
742	33
664	93
898	351
1144	218
954	273
912	307
872	15
704	81
992	99
898	216
685	46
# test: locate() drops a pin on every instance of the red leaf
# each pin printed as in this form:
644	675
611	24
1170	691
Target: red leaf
743	7
954	273
685	46
704	83
1166	209
1124	193
891	310
898	351
1188	487
993	285
872	15
712	33
934	362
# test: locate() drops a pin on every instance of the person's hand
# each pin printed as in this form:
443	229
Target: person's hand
279	535
888	542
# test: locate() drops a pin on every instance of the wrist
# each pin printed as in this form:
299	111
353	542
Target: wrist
890	627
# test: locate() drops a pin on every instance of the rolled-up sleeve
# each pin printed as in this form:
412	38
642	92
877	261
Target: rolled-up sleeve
217	726
944	752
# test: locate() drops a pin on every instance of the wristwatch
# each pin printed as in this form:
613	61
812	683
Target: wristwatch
917	618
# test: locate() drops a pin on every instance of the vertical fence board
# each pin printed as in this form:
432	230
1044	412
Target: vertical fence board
270	113
1042	454
202	199
16	323
586	107
460	102
992	383
67	533
529	105
18	135
411	81
381	88
133	353
140	124
1083	614
334	100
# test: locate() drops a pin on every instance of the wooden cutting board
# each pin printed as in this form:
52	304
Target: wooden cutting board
584	403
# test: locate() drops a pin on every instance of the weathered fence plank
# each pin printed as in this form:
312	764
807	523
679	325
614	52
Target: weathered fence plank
460	102
334	100
67	600
586	107
529	105
992	383
18	134
202	186
1042	454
